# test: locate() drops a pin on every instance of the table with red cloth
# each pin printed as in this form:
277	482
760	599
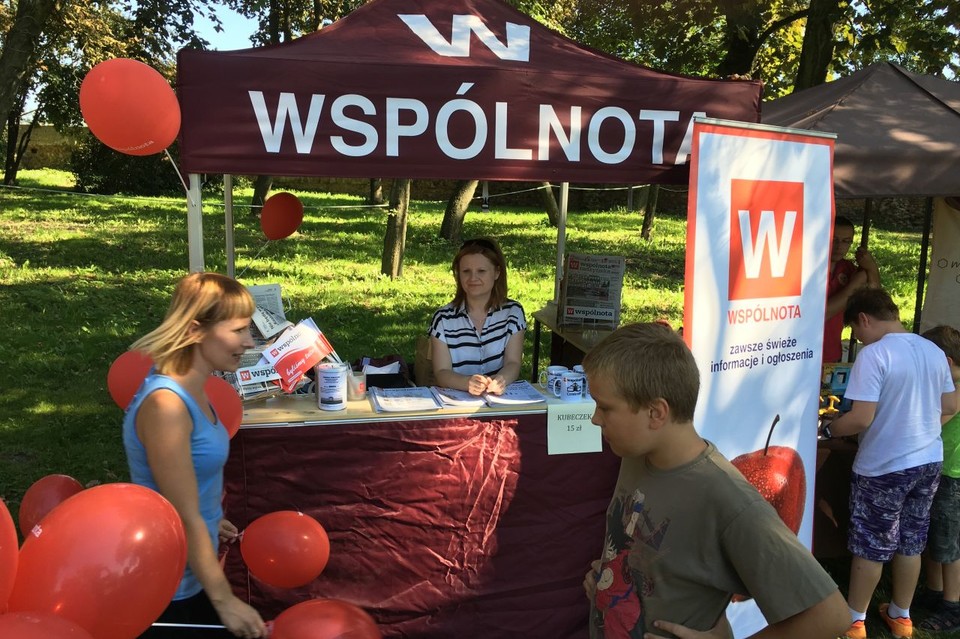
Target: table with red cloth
454	523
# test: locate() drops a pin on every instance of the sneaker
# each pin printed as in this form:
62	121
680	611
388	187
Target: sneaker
857	631
901	627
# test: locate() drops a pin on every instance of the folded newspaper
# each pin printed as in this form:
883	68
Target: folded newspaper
399	400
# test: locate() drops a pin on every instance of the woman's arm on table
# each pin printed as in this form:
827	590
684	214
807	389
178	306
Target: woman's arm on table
512	359
444	375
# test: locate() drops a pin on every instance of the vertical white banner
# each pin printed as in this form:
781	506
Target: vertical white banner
759	224
941	304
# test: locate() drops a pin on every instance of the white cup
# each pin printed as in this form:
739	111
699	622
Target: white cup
586	386
569	386
550	375
356	385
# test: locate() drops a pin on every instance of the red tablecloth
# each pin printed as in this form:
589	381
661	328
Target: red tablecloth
456	527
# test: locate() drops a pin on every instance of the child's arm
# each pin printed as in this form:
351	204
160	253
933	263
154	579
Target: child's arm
825	620
856	421
869	266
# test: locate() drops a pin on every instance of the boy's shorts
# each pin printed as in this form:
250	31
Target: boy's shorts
943	542
890	514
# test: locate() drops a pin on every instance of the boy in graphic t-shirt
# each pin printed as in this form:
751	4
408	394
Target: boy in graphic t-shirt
685	530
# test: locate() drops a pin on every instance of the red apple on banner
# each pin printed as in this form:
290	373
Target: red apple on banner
777	473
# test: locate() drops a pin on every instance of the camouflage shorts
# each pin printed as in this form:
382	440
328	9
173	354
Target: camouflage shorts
890	514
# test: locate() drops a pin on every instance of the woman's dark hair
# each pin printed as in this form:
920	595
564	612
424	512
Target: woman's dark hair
488	247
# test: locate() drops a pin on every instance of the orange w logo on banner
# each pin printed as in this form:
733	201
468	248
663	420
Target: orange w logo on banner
766	238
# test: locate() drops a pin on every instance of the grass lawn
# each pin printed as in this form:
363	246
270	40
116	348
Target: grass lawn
81	277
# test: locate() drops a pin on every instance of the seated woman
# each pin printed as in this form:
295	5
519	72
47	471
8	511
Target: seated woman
477	339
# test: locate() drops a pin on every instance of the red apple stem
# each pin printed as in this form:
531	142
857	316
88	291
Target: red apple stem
770	434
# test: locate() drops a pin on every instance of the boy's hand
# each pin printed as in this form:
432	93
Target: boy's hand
590	580
720	631
865	259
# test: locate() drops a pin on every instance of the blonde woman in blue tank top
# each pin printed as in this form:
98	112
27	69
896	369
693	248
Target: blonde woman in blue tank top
177	445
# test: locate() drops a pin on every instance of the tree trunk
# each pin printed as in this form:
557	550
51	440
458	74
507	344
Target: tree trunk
649	210
261	187
17	148
19	46
394	241
451	228
818	42
376	191
550	203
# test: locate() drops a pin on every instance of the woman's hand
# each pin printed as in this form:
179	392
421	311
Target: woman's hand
228	532
477	384
721	630
240	619
496	385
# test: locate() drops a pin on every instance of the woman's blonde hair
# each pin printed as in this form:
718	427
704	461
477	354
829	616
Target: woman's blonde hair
205	298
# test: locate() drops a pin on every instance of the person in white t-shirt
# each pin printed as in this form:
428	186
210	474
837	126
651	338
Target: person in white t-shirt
900	385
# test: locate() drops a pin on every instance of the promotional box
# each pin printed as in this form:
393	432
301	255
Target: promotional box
590	291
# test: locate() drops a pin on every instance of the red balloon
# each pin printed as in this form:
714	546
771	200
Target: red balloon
37	625
9	555
109	559
281	215
130	107
286	549
42	497
325	619
125	376
226	402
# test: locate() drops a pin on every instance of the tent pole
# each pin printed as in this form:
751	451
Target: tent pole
561	238
228	224
922	269
195	224
867	219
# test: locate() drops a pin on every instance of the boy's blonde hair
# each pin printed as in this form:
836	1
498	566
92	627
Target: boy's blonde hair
948	339
205	298
644	362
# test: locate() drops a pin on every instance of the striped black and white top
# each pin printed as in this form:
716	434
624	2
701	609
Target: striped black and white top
472	353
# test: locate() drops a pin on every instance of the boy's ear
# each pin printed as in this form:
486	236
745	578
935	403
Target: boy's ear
659	412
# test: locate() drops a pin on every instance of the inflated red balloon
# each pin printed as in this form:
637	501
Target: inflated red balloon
130	107
109	559
42	497
37	625
125	376
9	555
281	215
226	402
286	548
325	619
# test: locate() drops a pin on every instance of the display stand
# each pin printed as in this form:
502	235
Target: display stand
568	344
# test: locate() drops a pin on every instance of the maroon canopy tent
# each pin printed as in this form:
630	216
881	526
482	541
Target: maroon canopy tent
443	89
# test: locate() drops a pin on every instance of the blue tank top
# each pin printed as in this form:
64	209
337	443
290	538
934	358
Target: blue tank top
209	446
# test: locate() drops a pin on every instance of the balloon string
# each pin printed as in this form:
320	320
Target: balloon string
252	260
179	175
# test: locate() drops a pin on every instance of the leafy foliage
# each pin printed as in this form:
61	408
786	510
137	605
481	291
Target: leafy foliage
99	169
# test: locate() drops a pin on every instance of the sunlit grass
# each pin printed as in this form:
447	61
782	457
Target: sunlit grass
82	276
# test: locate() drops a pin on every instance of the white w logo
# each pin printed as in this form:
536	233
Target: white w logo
517	47
778	248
